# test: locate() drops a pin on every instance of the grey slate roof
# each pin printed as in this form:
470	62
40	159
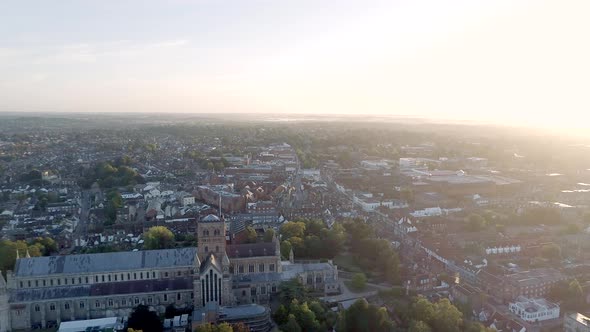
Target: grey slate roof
47	293
105	262
141	286
103	289
251	250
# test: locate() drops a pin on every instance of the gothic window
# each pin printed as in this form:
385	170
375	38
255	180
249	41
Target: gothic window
206	232
37	308
110	303
81	305
97	304
67	306
136	300
216	232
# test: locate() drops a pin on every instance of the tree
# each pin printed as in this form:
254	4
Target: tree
158	237
145	320
240	327
281	316
286	248
291	325
423	310
251	235
447	318
292	229
8	251
269	235
419	326
364	317
292	289
359	282
223	327
475	223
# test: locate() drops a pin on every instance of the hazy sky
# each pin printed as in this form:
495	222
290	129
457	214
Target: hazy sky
525	61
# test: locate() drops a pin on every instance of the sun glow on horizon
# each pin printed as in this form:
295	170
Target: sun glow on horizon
518	62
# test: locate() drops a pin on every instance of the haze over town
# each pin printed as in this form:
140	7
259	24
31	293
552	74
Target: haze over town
511	62
294	166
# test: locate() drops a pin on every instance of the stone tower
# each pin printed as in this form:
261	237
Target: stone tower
212	282
211	237
4	308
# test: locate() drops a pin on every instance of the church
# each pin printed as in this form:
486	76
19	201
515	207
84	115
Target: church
214	279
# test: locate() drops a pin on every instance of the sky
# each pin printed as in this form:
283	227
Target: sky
508	61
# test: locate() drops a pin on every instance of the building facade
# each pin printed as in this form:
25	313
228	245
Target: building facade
44	291
534	310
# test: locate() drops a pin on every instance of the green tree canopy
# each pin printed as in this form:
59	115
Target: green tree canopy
359	282
145	320
158	237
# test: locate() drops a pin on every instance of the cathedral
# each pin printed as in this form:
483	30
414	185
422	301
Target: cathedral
214	278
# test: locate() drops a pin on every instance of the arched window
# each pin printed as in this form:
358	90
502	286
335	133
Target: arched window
37	308
67	306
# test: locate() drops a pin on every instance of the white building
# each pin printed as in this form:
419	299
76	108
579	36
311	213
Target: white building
576	322
188	200
534	310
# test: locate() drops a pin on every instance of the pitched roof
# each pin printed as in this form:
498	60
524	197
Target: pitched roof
210	260
105	262
250	250
103	289
141	286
